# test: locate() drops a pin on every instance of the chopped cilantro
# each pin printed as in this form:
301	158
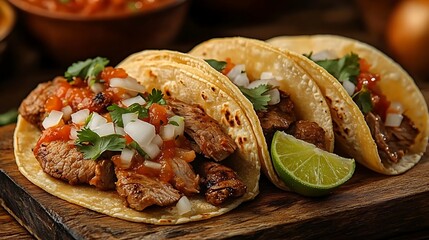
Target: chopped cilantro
87	70
173	123
218	65
155	97
116	112
363	100
258	96
92	145
137	147
345	68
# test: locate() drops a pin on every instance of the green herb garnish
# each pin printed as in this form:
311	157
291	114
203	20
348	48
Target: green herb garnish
258	96
155	97
92	145
137	147
363	100
345	68
116	112
173	123
218	65
87	70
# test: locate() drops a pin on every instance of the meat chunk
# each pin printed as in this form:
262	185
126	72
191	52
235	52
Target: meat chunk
310	132
277	117
62	160
184	180
204	130
392	142
139	191
32	107
220	183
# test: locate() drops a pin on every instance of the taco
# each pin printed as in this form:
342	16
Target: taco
380	116
101	139
277	94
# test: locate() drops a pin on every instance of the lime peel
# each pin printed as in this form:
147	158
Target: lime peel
306	169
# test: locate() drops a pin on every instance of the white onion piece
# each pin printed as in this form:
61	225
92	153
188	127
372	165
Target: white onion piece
241	80
349	87
128	83
97	87
393	120
324	55
96	120
152	164
120	130
275	96
236	70
126	157
267	75
395	107
178	130
137	99
157	140
141	132
151	149
80	116
52	119
167	132
184	206
271	82
129	117
105	129
73	133
67	111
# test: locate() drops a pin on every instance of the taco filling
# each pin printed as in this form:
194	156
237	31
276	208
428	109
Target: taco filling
100	127
394	133
274	107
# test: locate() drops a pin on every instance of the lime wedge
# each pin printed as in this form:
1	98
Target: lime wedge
307	169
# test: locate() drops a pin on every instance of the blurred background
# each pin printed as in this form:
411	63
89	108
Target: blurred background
38	44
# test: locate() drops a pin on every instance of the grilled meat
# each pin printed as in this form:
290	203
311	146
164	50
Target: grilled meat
62	160
220	183
309	132
204	130
184	180
139	191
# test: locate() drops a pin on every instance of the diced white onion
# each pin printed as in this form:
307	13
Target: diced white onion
267	75
105	129
52	119
141	132
96	120
167	132
67	111
178	130
97	87
129	117
349	87
127	155
275	96
271	82
128	83
137	99
241	80
395	107
324	55
236	70
80	116
120	130
157	140
151	149
393	120
184	206
73	133
152	164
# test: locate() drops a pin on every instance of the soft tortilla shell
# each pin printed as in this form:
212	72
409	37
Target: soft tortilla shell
260	57
350	127
187	87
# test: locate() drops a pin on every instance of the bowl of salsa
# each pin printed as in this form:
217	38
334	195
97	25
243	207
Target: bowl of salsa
72	30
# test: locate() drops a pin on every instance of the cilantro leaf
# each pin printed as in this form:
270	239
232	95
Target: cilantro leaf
258	96
218	65
92	145
87	70
173	123
116	112
363	100
345	68
137	147
155	97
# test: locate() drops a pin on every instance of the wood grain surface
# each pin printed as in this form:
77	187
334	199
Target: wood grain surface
370	205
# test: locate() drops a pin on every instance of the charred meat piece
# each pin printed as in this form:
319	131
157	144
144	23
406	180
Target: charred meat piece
277	117
392	142
184	180
309	132
32	107
204	130
139	191
220	183
62	160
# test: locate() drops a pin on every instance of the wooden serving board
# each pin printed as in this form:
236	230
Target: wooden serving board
370	205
